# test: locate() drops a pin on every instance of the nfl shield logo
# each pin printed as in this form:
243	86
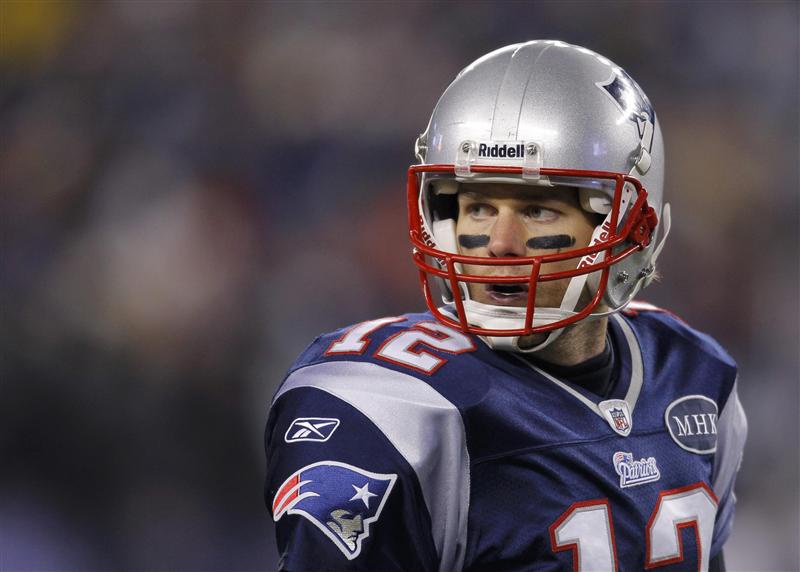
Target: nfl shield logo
620	421
617	414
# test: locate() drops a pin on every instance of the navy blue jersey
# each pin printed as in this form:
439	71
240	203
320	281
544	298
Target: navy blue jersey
402	444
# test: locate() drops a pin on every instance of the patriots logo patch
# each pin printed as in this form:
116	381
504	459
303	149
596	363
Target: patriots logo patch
339	499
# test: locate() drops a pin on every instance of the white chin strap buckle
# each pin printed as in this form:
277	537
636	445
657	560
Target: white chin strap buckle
512	318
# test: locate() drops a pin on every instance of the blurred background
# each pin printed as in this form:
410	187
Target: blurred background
192	191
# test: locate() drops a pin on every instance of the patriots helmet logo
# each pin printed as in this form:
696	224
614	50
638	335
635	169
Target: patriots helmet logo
632	102
339	499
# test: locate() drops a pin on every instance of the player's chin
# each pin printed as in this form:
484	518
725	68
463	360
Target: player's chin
528	342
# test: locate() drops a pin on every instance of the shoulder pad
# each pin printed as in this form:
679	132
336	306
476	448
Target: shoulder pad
638	307
415	344
675	325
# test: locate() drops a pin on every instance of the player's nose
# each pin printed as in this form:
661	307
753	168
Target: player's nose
508	236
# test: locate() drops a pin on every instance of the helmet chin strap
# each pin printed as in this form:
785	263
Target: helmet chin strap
541	317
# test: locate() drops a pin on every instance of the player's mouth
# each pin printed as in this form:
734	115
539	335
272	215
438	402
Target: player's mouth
507	294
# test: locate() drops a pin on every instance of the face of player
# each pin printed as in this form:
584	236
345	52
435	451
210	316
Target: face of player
502	220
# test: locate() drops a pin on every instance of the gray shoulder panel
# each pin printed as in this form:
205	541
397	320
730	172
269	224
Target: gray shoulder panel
732	433
424	427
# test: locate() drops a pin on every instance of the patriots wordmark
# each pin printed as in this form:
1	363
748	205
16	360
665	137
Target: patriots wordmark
632	472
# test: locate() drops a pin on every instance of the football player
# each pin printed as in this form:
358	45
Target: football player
535	417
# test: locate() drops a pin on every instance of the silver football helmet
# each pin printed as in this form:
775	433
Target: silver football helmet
550	114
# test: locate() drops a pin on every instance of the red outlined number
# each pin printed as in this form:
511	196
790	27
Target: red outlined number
584	525
407	348
693	506
356	339
586	520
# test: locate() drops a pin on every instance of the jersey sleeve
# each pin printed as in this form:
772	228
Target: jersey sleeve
354	473
732	433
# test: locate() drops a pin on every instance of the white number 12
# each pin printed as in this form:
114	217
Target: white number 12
587	529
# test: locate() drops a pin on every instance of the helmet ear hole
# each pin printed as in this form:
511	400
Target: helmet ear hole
444	206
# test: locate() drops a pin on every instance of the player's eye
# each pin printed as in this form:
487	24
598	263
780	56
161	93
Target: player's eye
480	211
540	214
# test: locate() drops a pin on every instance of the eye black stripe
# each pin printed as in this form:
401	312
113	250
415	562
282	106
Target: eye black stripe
539	242
473	240
551	242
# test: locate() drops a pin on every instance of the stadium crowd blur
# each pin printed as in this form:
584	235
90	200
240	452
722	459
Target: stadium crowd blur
191	192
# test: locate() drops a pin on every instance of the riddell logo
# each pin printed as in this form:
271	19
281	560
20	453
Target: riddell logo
426	237
501	150
590	259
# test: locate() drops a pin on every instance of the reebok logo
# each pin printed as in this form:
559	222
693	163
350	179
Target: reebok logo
317	429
